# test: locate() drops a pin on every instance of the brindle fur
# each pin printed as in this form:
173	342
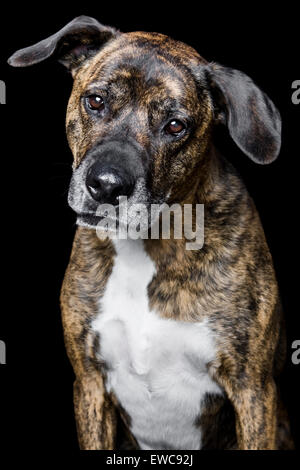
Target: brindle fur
230	281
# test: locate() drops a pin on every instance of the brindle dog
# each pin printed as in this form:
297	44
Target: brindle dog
171	348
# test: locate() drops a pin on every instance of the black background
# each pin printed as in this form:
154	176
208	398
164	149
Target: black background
38	227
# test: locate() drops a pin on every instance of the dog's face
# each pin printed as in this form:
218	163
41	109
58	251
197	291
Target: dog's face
134	120
141	111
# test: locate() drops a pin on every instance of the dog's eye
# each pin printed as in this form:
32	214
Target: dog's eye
174	127
95	102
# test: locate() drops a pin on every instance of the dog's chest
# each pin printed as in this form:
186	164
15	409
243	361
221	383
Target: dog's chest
156	367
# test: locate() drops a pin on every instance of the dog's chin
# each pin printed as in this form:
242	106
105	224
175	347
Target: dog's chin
93	221
88	220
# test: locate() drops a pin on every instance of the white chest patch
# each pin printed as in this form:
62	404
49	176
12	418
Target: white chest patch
157	367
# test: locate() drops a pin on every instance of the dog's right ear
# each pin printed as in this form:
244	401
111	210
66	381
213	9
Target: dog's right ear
72	45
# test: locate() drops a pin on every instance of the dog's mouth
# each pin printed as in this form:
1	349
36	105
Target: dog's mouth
112	222
88	220
137	218
95	221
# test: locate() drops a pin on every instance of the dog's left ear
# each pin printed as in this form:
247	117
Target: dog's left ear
74	43
253	121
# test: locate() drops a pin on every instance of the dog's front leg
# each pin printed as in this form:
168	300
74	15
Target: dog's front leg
95	414
81	290
256	418
255	411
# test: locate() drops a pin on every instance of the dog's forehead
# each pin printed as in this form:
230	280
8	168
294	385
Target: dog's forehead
164	46
156	59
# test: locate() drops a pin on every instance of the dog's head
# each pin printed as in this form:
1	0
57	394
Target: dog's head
141	111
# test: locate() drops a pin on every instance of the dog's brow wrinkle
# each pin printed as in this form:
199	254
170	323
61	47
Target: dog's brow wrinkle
154	58
95	85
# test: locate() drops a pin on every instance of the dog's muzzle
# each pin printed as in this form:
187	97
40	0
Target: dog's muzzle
109	172
113	170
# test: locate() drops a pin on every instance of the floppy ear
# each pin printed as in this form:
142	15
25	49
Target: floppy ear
253	121
77	41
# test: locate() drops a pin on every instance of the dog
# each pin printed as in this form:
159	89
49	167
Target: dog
171	348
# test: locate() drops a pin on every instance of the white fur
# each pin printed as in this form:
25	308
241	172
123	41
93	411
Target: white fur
157	367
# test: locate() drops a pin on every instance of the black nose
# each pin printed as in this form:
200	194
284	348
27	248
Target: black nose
106	184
